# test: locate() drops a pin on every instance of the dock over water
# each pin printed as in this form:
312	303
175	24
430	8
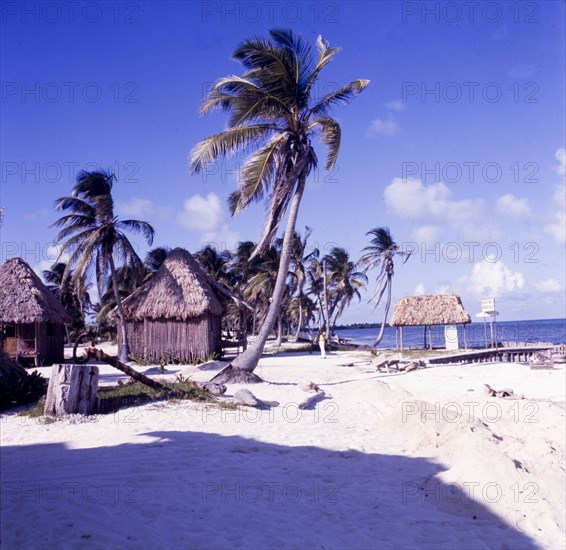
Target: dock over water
514	354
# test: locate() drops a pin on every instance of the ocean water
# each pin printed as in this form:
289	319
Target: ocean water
545	330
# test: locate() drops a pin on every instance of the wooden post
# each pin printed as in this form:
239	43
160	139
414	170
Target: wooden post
72	389
465	338
401	331
430	337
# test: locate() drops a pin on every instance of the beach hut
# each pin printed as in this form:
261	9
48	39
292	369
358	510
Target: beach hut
176	315
429	310
32	320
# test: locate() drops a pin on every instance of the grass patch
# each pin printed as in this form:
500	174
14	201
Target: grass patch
113	398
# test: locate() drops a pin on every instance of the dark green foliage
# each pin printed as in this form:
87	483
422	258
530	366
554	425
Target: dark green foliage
22	390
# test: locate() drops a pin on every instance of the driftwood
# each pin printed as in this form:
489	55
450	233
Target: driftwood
212	388
72	389
310	386
99	355
506	393
248	399
312	400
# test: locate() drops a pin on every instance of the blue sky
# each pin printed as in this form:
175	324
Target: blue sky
457	145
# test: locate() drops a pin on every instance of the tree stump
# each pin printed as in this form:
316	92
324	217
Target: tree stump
72	389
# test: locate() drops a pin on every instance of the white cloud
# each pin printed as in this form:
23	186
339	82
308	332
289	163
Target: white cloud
135	208
419	290
412	199
201	213
560	156
206	216
557	226
396	105
385	127
548	286
513	206
492	279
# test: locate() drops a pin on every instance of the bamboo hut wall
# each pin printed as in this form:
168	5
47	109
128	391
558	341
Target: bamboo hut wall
182	341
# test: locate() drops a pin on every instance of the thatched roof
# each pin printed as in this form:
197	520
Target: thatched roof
437	309
178	290
24	298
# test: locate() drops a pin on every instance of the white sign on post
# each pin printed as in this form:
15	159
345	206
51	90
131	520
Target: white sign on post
451	337
488	306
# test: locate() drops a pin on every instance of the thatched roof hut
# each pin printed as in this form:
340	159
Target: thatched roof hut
31	316
429	310
176	314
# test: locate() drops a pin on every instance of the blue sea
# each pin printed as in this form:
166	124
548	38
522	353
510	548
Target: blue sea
544	330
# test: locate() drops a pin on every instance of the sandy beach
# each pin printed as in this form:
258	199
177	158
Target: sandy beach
418	460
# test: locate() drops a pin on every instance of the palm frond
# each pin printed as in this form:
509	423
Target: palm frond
341	96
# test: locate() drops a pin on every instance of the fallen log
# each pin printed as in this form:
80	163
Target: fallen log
211	387
313	399
99	355
247	399
506	393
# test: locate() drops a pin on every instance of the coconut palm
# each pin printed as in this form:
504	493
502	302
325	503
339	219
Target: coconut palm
75	301
301	255
154	260
381	254
344	280
93	235
272	111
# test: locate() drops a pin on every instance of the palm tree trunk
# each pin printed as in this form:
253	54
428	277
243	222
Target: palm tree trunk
124	350
248	360
387	304
300	315
279	329
327	320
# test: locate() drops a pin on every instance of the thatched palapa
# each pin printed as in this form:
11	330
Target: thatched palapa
429	310
175	316
31	317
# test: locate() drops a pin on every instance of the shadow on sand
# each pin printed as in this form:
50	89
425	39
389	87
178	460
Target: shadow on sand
174	489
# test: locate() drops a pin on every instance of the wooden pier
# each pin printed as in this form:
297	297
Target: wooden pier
516	354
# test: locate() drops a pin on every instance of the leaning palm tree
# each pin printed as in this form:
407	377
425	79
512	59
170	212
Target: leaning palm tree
93	235
381	254
272	111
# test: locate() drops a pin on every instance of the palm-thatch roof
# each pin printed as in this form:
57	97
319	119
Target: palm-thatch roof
24	298
179	290
437	309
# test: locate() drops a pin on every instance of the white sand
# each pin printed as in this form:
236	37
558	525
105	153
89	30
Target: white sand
365	469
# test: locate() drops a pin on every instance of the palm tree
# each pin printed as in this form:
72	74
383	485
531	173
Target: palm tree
271	110
381	254
94	235
345	281
154	260
300	258
75	301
